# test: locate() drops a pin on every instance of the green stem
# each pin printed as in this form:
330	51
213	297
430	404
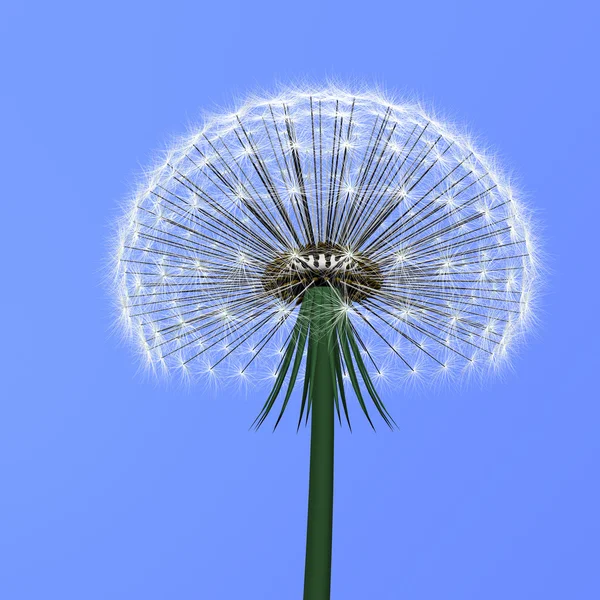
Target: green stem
317	574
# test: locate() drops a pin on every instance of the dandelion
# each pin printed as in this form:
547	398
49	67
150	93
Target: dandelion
333	238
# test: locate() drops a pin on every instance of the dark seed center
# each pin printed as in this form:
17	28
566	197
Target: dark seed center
353	274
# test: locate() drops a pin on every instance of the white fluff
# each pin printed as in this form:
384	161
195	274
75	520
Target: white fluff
388	180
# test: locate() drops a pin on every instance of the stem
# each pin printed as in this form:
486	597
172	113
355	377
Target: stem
317	573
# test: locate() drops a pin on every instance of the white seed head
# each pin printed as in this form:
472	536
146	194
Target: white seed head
330	181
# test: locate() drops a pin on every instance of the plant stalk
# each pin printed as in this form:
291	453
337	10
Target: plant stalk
317	573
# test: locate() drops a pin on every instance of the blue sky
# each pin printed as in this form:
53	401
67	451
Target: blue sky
116	486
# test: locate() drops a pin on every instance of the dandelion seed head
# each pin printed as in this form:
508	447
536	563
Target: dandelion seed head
428	244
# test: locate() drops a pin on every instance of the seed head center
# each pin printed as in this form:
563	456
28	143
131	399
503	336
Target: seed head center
290	274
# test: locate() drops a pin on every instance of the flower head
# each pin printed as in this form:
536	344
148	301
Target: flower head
424	240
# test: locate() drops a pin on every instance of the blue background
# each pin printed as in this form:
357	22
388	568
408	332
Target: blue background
116	486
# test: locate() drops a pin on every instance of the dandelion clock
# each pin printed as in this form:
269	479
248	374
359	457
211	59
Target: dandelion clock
322	241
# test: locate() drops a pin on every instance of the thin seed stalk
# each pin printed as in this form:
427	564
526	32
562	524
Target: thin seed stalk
317	574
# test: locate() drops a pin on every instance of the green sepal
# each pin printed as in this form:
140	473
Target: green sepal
283	370
340	378
303	322
364	373
308	374
343	337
